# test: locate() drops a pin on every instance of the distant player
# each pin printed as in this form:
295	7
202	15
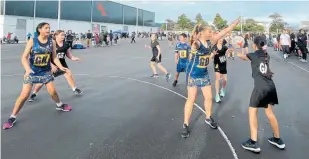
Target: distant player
182	51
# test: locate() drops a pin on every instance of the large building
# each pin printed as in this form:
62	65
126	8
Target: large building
21	17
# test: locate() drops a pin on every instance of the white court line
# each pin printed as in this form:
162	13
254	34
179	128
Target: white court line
180	95
293	63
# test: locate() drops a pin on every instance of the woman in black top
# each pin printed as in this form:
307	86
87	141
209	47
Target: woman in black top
302	44
264	95
63	49
220	68
156	58
245	49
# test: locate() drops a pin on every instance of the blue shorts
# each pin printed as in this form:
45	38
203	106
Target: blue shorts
230	46
181	67
36	78
198	82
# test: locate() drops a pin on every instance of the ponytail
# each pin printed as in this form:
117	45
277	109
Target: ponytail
263	47
195	31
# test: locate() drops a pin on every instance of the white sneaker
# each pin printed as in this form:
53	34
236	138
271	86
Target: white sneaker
303	60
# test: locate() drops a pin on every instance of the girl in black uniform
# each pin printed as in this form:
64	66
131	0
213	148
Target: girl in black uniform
245	49
264	95
220	68
156	58
63	49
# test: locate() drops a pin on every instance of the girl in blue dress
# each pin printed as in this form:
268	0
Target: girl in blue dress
197	73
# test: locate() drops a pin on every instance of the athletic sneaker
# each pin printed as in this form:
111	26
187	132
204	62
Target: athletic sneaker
303	60
248	145
175	83
78	91
168	76
211	122
9	124
217	99
222	92
155	76
277	142
64	107
185	132
285	56
32	97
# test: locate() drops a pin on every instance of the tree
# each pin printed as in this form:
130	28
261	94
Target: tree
219	22
277	23
163	26
260	28
237	28
184	22
199	19
170	24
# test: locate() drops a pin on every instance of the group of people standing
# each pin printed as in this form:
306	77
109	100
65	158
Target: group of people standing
194	57
43	60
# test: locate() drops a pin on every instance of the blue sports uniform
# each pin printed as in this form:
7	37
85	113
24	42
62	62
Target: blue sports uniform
39	61
183	50
197	73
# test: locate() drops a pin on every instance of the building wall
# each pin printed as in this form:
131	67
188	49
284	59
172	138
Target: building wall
9	24
96	11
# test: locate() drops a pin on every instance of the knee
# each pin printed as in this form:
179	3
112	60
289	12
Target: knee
52	92
152	64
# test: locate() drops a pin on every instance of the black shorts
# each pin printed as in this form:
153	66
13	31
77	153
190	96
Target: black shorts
155	59
220	68
261	97
245	45
60	72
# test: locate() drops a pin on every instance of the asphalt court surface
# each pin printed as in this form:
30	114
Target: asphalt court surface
124	114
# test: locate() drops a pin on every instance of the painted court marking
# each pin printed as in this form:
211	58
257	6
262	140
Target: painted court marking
293	63
158	86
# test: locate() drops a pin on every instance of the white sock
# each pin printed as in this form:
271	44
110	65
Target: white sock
59	104
34	93
13	116
74	89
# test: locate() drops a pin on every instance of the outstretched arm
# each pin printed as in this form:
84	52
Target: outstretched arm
243	57
222	33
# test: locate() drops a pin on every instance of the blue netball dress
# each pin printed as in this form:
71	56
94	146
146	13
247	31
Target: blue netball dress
197	73
183	50
40	58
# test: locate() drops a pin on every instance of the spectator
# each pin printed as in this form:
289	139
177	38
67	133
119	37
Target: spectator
302	44
88	38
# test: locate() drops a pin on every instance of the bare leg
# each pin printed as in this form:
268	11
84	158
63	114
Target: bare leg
176	76
273	121
192	92
26	90
207	93
37	88
52	92
153	67
69	76
218	75
162	68
253	122
224	81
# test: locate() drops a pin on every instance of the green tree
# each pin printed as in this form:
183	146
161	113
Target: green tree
260	28
219	22
163	26
237	28
249	25
184	22
199	19
277	23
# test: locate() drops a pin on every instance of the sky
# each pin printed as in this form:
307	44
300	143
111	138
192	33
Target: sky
292	11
